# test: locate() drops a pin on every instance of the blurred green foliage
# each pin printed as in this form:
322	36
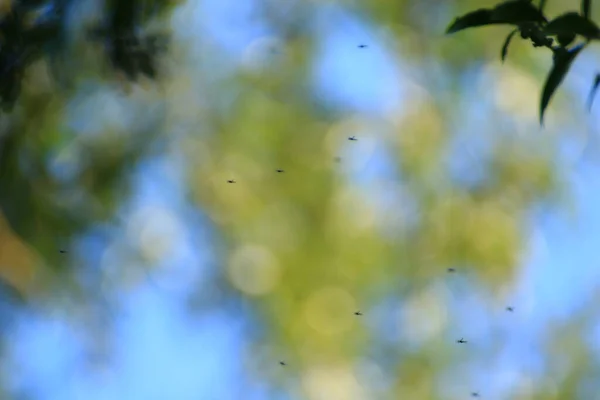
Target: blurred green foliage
305	248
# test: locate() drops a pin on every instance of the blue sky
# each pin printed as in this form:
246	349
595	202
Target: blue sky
159	352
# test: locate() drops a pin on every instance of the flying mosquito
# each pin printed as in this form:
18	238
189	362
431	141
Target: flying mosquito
358	313
62	251
230	181
461	341
282	363
279	170
474	394
451	270
510	309
362	46
353	138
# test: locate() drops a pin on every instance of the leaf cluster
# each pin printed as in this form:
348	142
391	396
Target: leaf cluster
559	35
30	27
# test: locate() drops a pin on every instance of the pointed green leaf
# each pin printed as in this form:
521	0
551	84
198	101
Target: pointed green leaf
586	5
593	91
570	23
506	43
562	62
473	19
517	12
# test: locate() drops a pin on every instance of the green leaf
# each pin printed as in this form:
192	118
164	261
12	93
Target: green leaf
473	19
517	12
570	23
586	5
506	43
593	91
542	4
563	59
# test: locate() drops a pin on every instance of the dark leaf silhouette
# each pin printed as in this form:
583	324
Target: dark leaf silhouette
572	23
565	39
562	62
506	43
473	19
585	8
593	91
514	12
517	12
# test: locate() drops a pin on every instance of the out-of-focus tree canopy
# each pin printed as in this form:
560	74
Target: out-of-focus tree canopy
50	49
460	159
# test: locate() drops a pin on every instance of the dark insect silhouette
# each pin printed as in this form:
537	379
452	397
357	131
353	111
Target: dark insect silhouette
282	363
510	309
279	170
353	138
358	313
231	181
461	341
474	394
62	251
451	270
362	46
